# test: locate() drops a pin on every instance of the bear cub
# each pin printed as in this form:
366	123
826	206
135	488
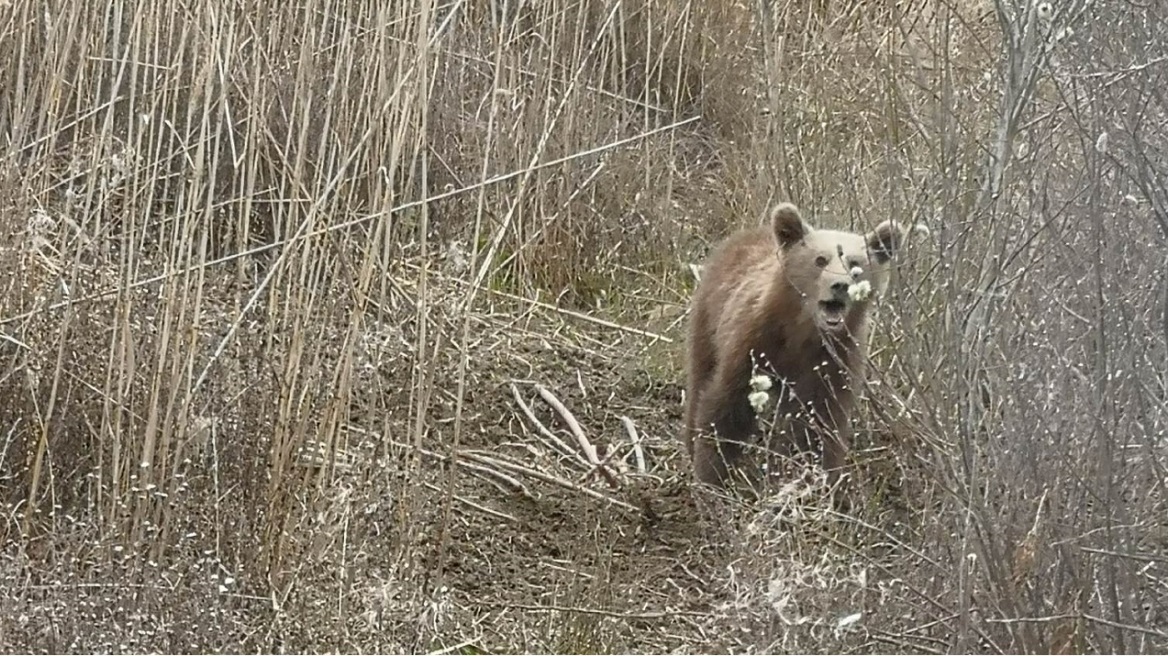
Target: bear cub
791	303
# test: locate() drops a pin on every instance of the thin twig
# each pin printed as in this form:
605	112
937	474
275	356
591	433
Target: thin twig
1071	616
458	648
542	305
906	646
627	615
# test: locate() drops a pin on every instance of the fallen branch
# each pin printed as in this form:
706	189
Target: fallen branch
627	615
574	427
556	444
475	468
490	464
547	478
638	451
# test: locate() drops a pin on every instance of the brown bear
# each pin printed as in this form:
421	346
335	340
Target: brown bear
791	303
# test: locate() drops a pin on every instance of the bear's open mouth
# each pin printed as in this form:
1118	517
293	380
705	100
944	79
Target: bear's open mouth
833	312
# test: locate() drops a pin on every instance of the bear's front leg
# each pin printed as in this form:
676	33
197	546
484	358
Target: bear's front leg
822	429
724	423
835	440
833	431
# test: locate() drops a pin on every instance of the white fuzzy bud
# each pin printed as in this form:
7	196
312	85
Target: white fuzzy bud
1045	12
759	400
859	291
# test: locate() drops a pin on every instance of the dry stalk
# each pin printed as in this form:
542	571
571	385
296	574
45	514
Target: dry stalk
471	504
342	226
554	308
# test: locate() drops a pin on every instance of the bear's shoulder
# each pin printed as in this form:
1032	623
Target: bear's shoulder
740	256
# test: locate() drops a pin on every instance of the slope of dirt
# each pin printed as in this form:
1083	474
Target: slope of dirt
548	565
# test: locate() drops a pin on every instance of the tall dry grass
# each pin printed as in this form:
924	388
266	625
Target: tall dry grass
268	268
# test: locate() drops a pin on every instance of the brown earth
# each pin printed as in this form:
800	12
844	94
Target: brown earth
521	548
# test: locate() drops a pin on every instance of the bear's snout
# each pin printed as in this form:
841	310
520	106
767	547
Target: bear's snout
838	291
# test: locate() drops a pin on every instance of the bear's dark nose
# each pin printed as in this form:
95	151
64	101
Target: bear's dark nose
839	288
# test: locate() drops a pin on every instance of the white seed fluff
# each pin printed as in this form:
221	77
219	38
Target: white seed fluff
758	400
1045	11
859	291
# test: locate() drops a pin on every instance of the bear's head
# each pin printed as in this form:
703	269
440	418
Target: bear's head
835	273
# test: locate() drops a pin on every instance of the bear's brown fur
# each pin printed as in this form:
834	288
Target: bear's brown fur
781	296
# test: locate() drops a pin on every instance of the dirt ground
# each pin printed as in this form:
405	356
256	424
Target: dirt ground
521	547
547	561
526	563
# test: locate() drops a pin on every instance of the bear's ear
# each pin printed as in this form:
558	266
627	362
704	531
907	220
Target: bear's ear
885	240
788	224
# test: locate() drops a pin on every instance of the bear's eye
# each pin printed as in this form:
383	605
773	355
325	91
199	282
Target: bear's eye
821	261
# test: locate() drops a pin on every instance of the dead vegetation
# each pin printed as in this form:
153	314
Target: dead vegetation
342	326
